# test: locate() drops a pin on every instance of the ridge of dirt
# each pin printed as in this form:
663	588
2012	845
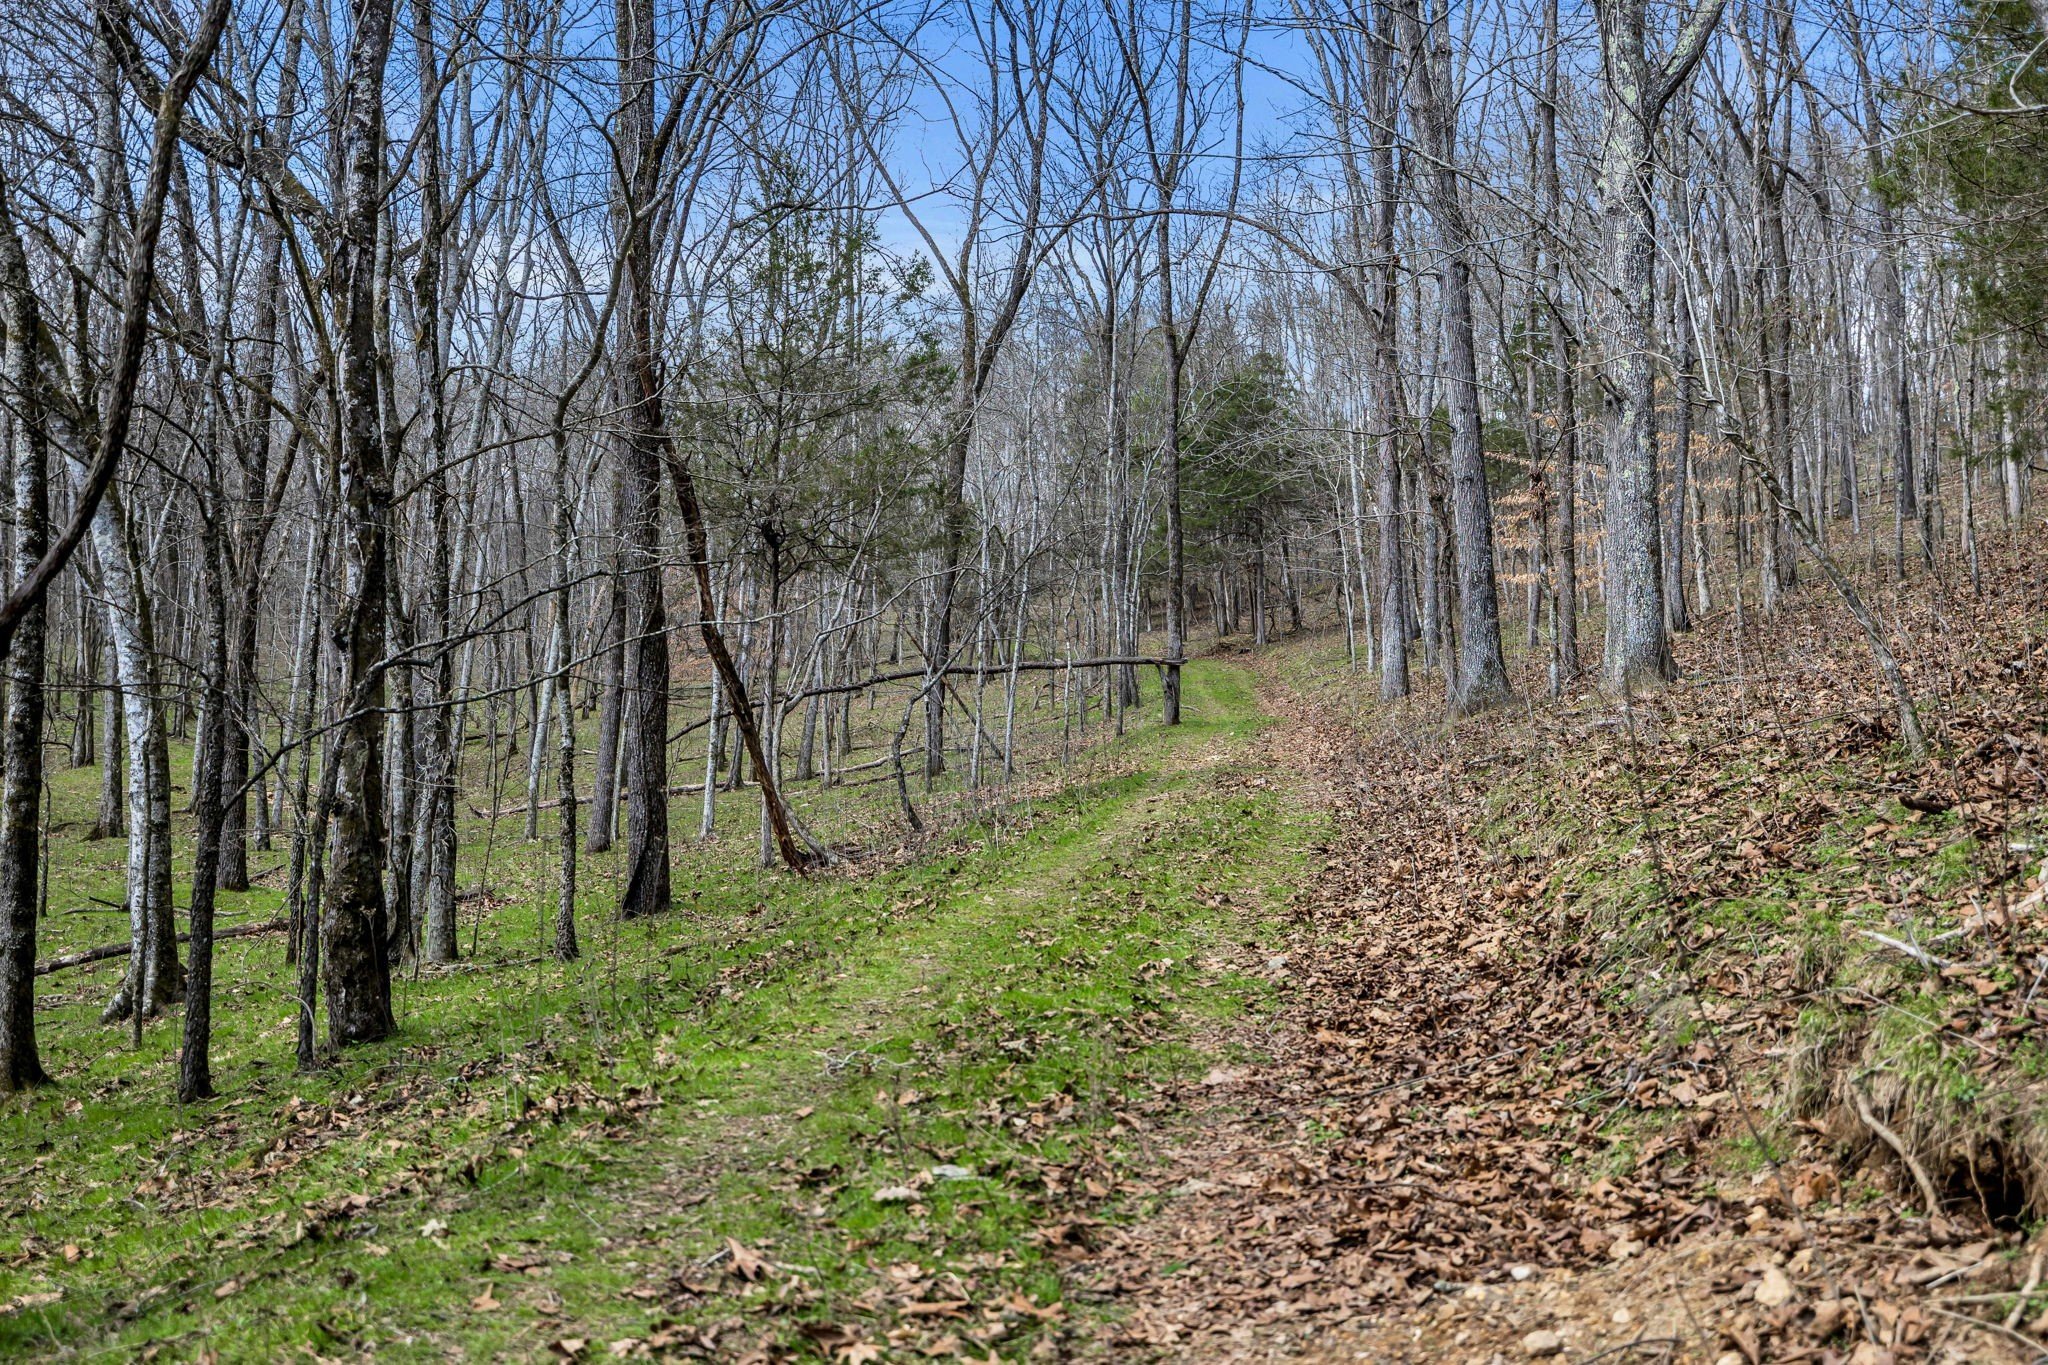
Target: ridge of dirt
1419	1167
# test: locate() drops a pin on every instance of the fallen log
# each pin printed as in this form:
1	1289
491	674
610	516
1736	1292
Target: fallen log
992	671
112	950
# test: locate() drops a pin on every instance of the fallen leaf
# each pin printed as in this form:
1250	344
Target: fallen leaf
1051	1312
747	1263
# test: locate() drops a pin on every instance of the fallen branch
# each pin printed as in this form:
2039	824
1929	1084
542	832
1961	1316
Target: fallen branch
507	812
1920	955
2019	1307
1995	1328
970	670
114	950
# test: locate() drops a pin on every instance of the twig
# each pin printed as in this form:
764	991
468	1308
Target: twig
1999	1329
2019	1307
1666	1344
835	1065
459	968
1931	961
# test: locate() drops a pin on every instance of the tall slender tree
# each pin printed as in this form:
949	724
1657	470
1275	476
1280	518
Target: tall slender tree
1479	677
353	930
1636	90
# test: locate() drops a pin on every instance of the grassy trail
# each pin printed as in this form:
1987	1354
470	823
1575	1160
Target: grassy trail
597	1153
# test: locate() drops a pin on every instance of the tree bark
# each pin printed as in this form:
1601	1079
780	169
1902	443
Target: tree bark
1638	642
195	1076
356	971
1388	415
644	751
433	839
1479	675
21	749
604	789
257	512
1677	612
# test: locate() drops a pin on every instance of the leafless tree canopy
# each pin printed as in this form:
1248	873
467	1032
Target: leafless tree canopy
617	397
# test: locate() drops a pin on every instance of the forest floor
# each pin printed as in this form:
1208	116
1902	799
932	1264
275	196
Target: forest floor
870	1112
1638	1029
1696	1027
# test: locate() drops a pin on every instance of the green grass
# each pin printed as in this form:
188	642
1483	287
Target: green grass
577	1141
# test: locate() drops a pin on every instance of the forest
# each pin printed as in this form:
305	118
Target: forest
1022	680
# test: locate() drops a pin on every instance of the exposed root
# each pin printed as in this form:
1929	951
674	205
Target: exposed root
1928	1196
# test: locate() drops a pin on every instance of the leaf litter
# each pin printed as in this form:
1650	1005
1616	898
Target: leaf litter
1497	1116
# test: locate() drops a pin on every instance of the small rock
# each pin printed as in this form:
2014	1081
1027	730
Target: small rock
1622	1317
1731	1358
952	1173
1521	1272
1774	1290
1539	1344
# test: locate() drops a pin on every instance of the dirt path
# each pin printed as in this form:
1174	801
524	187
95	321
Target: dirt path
1420	1160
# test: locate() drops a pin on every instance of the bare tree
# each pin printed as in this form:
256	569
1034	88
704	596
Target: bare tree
1480	678
1637	89
353	931
1000	232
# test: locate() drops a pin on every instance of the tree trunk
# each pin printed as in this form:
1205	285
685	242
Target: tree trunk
604	788
953	516
305	710
1638	644
644	751
21	748
1480	676
1638	647
433	837
565	946
195	1076
356	972
1677	613
255	511
112	818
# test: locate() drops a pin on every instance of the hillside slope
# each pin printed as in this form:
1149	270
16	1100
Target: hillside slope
1698	1026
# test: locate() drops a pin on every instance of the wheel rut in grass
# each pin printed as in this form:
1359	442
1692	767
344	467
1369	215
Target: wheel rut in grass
901	1131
